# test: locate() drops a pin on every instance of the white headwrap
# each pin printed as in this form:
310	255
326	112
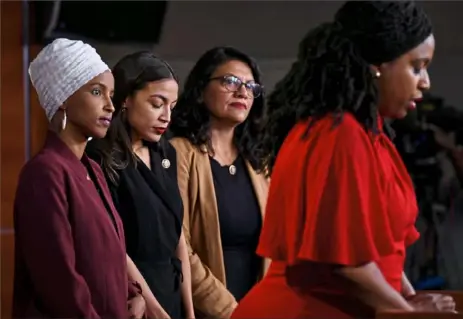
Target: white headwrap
60	69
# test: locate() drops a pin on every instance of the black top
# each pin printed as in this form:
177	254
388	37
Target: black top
151	210
240	224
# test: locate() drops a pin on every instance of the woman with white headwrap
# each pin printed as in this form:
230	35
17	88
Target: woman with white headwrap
69	241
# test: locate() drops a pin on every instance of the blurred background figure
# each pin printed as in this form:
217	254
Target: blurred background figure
430	141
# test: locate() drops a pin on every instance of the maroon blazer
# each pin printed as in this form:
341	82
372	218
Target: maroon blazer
70	257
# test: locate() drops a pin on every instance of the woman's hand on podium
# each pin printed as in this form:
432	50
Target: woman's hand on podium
432	302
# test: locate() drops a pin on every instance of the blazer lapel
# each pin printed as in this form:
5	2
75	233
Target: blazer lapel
209	214
260	185
164	186
157	187
105	197
80	168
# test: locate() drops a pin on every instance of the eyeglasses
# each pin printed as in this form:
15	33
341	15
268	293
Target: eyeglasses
234	84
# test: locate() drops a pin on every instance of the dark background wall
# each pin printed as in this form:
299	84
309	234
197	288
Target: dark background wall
271	31
12	136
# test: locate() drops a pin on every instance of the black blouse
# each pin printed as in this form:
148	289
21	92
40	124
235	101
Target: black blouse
240	224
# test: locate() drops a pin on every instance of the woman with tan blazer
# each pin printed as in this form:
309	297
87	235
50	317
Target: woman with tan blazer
219	163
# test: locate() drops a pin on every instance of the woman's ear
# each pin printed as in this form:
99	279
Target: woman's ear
127	102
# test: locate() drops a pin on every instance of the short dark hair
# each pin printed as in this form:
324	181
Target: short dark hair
332	73
131	74
191	119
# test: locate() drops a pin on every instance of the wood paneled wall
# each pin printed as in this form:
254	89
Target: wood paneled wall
12	137
13	133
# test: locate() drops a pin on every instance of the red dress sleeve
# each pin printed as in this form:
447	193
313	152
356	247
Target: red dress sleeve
412	235
325	199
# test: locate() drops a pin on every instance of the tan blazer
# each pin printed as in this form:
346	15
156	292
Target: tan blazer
202	231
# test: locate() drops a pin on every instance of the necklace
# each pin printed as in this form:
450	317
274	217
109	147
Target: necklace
231	167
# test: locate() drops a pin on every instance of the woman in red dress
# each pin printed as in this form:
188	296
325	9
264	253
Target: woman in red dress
341	206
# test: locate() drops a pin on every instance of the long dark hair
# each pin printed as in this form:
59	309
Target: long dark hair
332	73
191	119
131	74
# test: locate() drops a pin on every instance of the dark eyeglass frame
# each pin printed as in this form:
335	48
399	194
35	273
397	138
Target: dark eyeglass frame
250	85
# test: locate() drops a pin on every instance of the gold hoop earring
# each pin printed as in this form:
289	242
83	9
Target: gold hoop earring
64	121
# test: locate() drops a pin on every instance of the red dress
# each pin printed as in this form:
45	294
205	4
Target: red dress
341	196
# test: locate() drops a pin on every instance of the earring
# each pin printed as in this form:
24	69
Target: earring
64	121
377	74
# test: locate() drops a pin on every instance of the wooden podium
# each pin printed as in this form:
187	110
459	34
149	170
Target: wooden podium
457	295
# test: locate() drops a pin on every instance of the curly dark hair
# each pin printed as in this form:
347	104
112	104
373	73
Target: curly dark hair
332	73
191	118
131	74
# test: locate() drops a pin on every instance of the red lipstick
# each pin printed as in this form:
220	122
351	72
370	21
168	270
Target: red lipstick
160	130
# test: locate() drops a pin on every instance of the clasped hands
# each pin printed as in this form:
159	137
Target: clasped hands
432	302
136	307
